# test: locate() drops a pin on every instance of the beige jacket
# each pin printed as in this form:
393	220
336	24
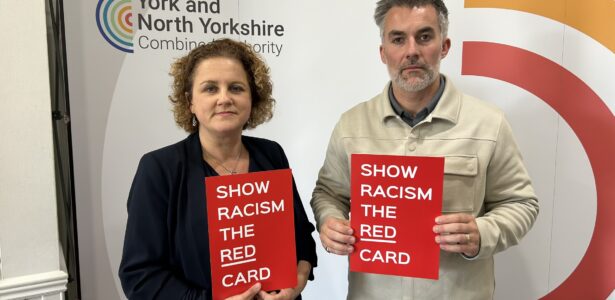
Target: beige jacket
484	176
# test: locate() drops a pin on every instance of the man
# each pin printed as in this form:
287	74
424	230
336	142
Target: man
488	201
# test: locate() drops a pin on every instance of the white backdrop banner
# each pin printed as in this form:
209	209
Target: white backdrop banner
549	72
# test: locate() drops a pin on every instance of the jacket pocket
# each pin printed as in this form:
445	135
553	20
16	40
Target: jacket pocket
460	179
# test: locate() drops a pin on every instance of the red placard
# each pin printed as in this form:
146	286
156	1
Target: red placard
251	232
395	200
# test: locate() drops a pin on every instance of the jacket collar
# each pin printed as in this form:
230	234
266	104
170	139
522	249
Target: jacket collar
195	194
195	152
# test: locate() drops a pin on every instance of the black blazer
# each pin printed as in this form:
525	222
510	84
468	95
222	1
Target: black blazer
166	246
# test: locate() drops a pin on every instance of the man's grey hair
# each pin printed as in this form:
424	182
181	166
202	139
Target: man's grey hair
383	7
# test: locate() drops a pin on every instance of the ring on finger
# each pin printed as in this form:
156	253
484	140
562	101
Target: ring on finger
327	249
467	238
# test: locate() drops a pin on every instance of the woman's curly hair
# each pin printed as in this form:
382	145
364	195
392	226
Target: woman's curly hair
183	69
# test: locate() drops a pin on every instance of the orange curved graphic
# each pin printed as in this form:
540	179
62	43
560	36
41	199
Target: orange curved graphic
592	121
595	18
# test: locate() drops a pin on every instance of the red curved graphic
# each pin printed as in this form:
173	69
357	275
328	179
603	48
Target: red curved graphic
592	122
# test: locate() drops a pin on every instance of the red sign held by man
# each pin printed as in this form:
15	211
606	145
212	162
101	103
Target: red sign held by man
251	232
395	200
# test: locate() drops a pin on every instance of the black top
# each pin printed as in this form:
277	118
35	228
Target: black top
166	246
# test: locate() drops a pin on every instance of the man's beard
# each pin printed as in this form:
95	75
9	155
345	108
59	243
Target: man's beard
421	82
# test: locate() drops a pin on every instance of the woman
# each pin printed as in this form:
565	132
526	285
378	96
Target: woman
219	89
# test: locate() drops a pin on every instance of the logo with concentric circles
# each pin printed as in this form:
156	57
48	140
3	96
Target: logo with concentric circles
114	21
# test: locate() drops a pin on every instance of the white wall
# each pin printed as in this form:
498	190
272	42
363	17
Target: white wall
30	262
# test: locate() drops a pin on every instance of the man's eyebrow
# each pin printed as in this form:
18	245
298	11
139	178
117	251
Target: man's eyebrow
427	29
396	33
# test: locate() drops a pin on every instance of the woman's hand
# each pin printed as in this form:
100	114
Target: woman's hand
303	272
248	294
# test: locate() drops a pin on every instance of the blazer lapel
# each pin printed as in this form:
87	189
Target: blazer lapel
195	196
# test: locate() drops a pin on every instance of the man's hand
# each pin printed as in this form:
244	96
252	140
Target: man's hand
336	236
458	233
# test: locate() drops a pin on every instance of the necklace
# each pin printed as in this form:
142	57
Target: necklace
219	163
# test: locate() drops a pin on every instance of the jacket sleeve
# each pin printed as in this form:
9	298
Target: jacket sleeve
331	196
511	207
304	242
146	271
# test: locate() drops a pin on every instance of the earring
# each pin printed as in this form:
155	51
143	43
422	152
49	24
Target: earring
193	121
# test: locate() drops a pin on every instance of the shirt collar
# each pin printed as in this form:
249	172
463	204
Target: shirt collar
422	114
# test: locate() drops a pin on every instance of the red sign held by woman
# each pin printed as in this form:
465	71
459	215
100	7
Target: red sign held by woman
251	232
